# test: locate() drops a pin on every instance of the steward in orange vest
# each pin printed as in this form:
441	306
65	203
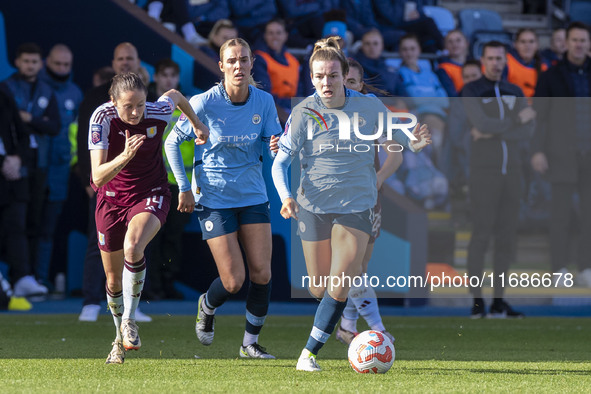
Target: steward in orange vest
447	68
524	75
284	78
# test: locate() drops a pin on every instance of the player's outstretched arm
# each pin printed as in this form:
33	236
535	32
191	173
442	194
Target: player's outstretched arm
102	170
201	130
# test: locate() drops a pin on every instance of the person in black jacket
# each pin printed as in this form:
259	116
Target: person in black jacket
39	111
500	118
15	157
561	148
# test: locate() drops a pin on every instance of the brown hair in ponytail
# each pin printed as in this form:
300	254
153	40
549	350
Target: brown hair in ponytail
328	49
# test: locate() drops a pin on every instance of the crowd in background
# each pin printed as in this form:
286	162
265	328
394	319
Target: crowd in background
44	164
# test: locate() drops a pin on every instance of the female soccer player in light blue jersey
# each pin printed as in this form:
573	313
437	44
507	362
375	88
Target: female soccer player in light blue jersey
338	183
233	207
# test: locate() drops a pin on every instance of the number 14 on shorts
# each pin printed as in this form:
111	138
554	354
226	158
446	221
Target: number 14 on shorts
153	201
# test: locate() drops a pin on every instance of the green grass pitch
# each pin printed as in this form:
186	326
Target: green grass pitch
56	353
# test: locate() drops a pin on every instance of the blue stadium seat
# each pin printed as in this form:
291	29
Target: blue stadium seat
5	68
444	19
481	26
481	38
472	20
580	11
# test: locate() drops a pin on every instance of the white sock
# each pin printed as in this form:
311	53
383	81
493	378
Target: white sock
249	339
155	9
349	324
350	315
367	305
133	283
206	308
115	302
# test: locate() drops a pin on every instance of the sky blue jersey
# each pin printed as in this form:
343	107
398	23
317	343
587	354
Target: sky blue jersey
337	171
229	167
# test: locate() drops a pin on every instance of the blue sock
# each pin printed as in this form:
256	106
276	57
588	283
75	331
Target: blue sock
327	315
216	294
257	305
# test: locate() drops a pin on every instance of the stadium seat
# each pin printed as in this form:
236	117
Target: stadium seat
580	11
472	20
482	37
444	19
481	26
5	68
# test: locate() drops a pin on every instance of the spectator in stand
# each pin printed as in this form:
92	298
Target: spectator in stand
561	148
102	76
426	96
144	74
409	17
361	18
165	250
499	117
39	112
174	15
524	62
205	13
125	59
222	31
303	20
557	48
456	143
275	69
377	72
57	74
250	16
15	155
449	69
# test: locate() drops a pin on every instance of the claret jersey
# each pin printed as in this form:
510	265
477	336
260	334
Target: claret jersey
145	173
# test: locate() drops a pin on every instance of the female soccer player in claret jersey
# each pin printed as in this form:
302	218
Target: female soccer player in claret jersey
233	207
128	174
338	188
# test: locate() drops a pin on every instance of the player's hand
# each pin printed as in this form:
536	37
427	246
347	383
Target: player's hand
201	132
132	144
526	115
274	144
186	202
11	168
26	116
422	135
289	209
477	134
539	162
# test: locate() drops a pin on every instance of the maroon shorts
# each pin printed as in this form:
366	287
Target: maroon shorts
112	220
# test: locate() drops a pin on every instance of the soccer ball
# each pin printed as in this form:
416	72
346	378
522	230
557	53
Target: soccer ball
371	352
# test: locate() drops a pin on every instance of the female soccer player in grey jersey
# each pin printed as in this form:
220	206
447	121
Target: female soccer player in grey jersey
338	183
128	174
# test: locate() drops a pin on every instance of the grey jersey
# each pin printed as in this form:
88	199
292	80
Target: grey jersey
337	150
